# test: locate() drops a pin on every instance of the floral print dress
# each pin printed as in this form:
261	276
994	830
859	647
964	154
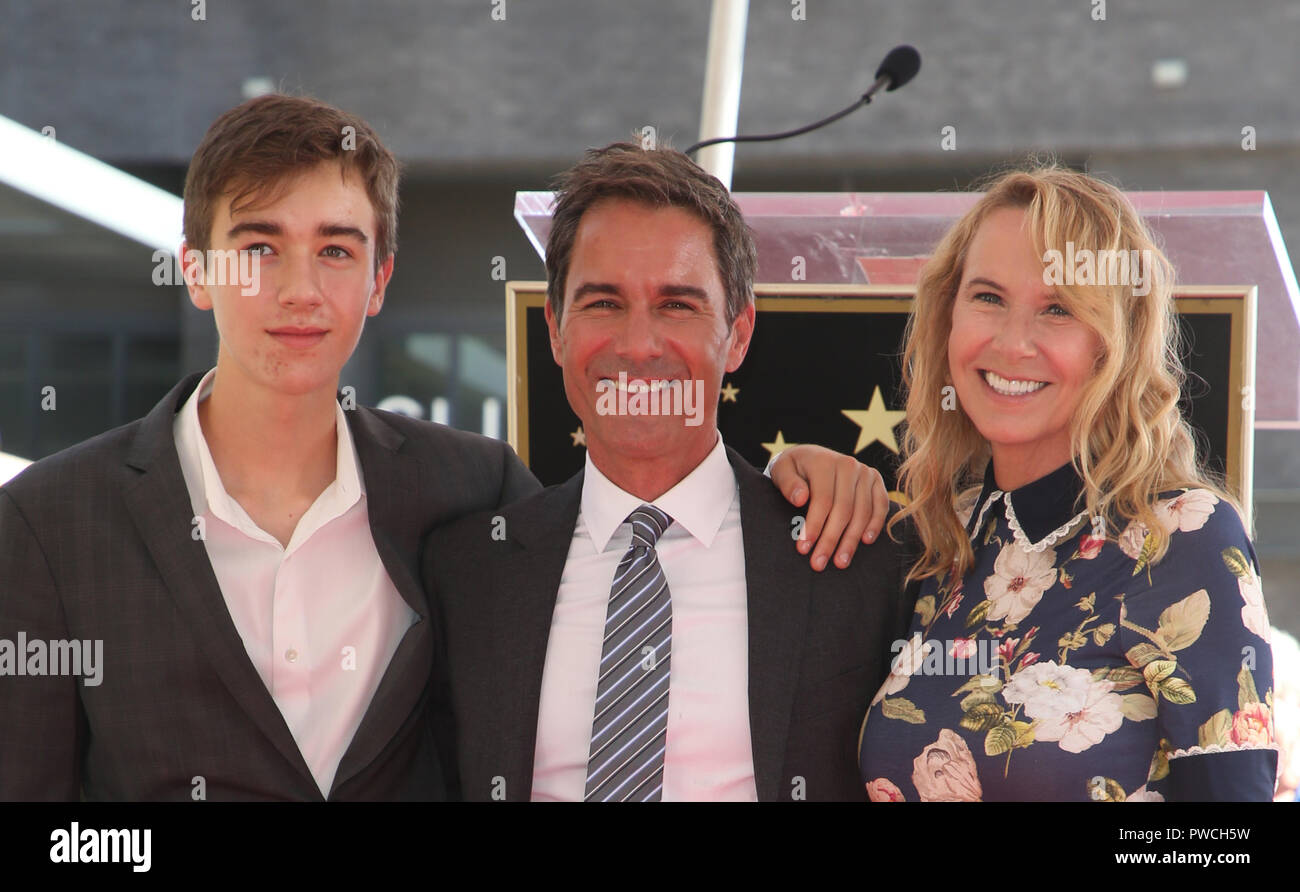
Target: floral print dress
1067	665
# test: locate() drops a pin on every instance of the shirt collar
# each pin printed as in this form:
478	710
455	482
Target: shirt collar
1042	505
204	483
699	502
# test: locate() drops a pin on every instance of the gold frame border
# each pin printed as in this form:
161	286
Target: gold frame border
519	297
1241	306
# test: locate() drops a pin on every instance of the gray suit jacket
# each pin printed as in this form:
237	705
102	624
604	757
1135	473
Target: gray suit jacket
819	643
95	543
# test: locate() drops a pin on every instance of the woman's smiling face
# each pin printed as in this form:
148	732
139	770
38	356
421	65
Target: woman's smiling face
1019	361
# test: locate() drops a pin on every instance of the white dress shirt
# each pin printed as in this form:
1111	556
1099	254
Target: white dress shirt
709	755
320	618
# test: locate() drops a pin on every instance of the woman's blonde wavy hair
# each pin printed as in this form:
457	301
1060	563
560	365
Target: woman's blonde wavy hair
1128	439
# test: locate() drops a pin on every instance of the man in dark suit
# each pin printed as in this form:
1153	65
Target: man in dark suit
643	631
242	563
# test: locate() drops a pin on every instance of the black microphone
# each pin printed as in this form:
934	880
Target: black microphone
899	66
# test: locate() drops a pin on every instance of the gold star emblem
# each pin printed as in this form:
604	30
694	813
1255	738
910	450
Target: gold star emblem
876	423
778	446
729	393
579	437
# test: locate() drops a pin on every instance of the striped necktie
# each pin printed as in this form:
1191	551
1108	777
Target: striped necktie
630	727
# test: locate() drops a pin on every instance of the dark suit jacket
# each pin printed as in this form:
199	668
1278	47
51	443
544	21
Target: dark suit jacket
95	543
819	643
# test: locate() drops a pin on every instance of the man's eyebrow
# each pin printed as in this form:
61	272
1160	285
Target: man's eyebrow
684	291
325	230
260	227
341	230
587	288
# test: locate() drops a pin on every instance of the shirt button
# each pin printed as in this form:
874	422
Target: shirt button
291	655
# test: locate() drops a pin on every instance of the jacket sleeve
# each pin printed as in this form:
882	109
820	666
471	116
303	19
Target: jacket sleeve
441	716
43	729
516	480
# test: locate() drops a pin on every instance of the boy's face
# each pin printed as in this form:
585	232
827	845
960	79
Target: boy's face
313	245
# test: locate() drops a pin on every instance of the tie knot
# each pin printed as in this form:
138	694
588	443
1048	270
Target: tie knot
648	524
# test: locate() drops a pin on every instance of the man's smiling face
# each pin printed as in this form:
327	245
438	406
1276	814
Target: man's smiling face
643	297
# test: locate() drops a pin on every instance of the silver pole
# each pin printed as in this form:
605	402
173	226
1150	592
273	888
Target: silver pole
722	76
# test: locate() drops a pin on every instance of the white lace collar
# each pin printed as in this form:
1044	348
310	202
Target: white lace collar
1017	533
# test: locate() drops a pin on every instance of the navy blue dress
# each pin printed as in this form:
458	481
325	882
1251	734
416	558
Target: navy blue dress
1068	666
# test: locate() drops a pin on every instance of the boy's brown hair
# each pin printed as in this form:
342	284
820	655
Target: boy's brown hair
249	151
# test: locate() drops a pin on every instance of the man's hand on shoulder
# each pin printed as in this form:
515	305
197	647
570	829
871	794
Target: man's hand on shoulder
848	502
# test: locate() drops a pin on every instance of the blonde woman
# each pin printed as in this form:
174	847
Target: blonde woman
1090	624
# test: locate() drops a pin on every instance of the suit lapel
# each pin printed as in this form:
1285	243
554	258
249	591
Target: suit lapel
159	505
392	500
777	615
525	585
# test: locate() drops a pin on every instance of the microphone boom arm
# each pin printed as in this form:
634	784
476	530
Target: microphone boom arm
865	99
899	66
